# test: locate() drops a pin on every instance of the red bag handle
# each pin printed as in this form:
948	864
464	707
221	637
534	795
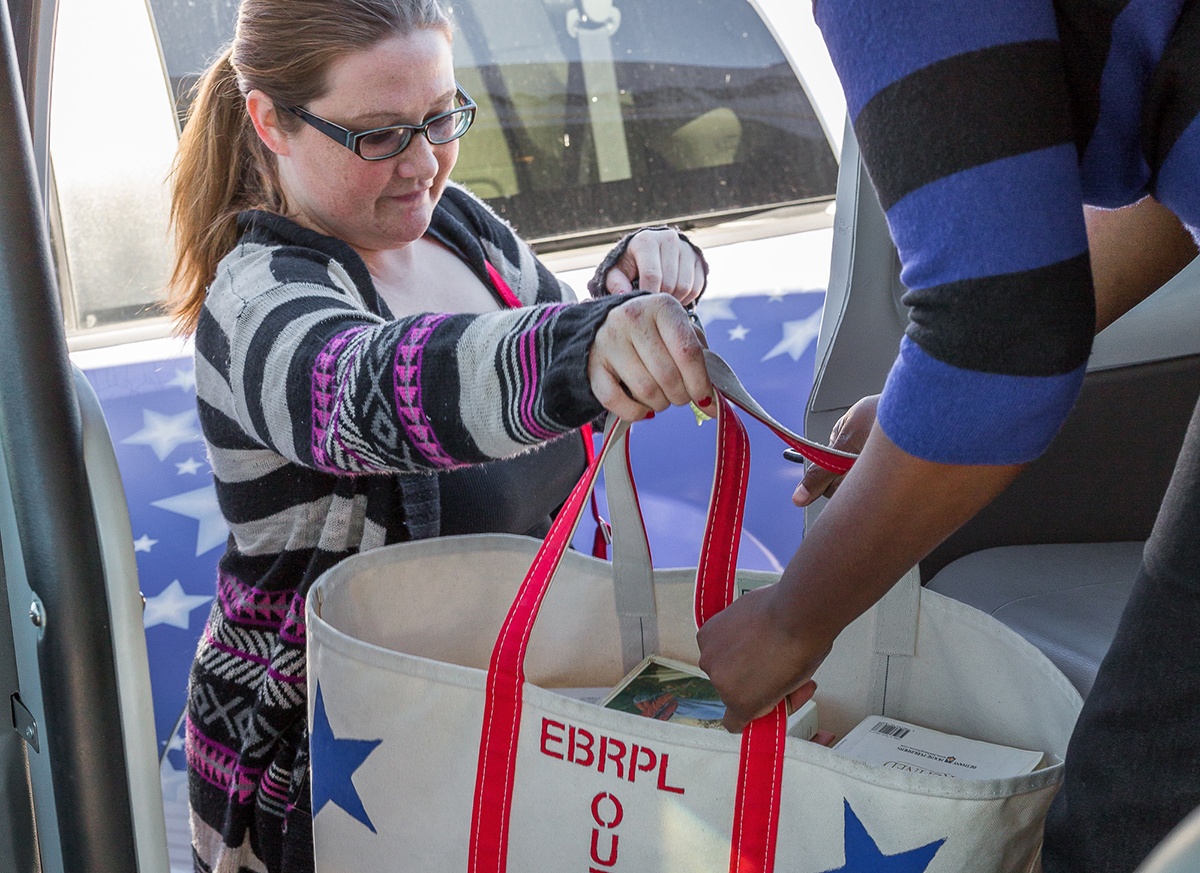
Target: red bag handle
495	771
756	822
760	767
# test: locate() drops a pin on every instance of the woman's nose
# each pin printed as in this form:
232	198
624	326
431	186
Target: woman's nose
418	160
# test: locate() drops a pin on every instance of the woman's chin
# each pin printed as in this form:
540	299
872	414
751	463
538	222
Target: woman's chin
405	219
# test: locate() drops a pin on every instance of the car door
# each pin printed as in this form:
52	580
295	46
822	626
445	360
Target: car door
75	687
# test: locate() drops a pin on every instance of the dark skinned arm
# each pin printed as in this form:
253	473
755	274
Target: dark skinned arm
892	509
1134	251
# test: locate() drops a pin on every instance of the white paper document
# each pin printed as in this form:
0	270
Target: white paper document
888	742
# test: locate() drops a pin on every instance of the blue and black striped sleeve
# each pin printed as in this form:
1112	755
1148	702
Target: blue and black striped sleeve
1171	119
963	118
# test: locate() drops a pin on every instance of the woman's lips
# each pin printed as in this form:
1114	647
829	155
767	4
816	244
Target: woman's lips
411	196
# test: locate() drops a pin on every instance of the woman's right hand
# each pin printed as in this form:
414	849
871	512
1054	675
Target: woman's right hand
850	435
646	357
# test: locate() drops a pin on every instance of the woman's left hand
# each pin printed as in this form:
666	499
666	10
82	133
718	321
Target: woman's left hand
658	260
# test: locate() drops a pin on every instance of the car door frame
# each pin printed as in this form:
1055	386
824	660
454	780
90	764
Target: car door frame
57	649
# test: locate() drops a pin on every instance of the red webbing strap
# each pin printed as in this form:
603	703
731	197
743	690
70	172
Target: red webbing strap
723	527
728	384
760	768
602	536
835	462
757	801
492	809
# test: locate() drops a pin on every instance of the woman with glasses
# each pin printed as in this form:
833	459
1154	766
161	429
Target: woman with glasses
365	332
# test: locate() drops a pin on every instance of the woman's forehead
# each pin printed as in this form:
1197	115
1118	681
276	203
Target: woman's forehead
404	73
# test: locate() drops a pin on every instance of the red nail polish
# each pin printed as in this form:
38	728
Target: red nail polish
705	403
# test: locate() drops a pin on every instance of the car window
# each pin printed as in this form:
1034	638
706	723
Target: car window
637	112
190	34
664	110
112	137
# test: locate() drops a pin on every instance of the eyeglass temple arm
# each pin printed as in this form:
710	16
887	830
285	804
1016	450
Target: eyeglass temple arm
331	130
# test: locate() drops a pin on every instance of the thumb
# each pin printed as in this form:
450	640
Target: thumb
616	282
801	695
817	481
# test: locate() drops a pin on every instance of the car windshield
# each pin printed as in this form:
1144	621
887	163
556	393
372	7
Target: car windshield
675	110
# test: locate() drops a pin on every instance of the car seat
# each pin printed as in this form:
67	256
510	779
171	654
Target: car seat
1179	852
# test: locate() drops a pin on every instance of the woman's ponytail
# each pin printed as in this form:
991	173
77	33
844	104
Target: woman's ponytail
218	172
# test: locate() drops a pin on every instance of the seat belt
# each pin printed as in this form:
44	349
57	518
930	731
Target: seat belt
593	23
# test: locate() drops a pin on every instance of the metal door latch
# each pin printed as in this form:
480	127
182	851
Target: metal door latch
24	723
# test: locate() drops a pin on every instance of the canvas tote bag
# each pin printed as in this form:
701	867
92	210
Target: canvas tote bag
439	743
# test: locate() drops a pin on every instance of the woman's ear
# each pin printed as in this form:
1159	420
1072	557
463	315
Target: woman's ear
265	118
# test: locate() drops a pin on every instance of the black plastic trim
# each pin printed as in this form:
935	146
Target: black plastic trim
40	434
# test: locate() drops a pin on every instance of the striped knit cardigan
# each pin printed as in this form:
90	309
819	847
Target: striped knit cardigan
325	420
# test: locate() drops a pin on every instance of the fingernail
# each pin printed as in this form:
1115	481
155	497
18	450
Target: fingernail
800	495
649	415
705	403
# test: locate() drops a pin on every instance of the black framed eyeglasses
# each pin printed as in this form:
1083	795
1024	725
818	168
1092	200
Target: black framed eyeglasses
381	143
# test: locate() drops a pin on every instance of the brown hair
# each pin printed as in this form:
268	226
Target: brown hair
284	49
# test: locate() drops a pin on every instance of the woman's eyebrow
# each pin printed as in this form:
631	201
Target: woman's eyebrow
383	119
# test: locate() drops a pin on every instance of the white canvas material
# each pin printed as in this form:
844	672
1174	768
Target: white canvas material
407	669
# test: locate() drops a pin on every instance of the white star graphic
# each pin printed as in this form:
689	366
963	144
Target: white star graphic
776	295
165	433
715	310
189	467
184	380
172	606
144	544
739	332
797	337
201	505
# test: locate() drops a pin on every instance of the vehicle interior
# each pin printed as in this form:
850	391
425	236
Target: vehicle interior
80	772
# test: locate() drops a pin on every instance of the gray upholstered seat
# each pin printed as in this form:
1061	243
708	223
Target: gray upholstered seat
1179	852
1065	599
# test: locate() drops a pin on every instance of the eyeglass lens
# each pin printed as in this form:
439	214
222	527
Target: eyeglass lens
440	130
